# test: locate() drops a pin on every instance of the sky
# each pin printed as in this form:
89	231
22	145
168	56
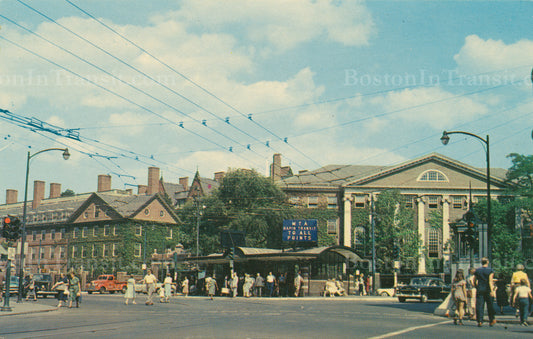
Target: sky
213	85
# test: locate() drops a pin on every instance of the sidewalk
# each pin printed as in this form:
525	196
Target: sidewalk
26	307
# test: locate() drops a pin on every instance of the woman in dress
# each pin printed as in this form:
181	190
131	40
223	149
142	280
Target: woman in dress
185	286
459	296
167	283
247	285
61	286
74	289
130	290
211	286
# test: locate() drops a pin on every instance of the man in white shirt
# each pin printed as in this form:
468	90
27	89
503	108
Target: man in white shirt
150	280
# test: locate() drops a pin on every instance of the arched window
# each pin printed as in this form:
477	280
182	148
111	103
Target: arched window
432	175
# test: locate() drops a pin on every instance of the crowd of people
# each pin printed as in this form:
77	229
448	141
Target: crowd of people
470	294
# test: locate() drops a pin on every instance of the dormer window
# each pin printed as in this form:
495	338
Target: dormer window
433	175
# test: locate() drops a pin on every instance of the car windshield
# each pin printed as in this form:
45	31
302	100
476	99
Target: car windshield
419	281
14	279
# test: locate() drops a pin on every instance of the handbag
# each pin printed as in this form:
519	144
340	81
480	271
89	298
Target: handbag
224	290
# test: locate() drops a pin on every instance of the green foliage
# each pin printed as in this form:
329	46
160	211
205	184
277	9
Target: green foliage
68	193
322	215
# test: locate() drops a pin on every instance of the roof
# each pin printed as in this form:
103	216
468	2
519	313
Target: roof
334	176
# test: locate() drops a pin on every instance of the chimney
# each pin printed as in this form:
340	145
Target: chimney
38	193
104	183
219	176
275	168
185	183
153	180
142	189
11	196
55	190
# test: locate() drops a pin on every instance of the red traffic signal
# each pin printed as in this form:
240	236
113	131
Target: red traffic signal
7	220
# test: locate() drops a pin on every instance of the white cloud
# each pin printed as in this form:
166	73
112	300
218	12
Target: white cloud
283	24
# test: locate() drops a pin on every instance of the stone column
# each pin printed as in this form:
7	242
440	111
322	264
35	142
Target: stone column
422	235
347	236
446	232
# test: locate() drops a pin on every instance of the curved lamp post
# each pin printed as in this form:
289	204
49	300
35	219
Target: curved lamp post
66	156
445	139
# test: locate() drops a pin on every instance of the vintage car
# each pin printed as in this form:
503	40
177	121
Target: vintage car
106	283
386	292
423	289
43	285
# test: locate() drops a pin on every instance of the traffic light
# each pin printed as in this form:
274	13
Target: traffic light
396	252
11	228
471	232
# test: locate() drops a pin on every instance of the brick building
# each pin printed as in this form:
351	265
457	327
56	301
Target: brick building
103	230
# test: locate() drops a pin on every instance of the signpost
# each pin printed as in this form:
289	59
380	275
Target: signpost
300	230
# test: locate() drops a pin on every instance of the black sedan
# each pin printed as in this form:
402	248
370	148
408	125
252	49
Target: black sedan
423	289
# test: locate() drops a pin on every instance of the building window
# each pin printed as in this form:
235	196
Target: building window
33	253
43	235
94	251
312	202
433	201
84	251
169	232
95	231
115	252
75	233
137	250
408	201
105	250
62	252
106	230
84	232
332	226
161	213
457	202
359	237
52	234
42	252
114	230
85	215
52	252
294	201
63	233
146	211
74	251
433	243
332	202
138	230
96	213
359	201
34	235
433	175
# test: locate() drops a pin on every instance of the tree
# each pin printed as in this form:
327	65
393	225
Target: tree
245	201
68	193
394	226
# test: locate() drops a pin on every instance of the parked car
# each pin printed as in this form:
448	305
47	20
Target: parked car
386	292
13	286
423	289
106	283
43	285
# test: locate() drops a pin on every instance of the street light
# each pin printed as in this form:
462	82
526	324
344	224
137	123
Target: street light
66	156
445	139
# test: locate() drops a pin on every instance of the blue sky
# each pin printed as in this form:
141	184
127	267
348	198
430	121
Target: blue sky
324	82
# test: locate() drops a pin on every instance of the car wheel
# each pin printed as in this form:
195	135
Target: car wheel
402	300
423	298
384	294
90	292
102	290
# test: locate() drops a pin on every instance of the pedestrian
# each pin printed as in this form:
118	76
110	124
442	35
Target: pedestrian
211	286
167	284
150	281
330	288
283	284
74	290
130	290
185	286
459	296
471	294
61	286
521	298
485	292
248	283
270	280
298	282
502	299
362	284
259	285
31	288
516	278
356	285
234	284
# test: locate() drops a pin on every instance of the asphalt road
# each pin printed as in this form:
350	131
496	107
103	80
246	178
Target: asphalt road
199	317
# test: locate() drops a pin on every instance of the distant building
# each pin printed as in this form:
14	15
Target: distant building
431	182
